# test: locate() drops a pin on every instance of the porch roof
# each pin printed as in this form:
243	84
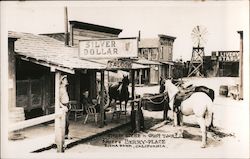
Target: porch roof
168	62
50	52
148	62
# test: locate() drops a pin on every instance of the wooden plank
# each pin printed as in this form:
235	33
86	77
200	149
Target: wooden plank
88	33
32	122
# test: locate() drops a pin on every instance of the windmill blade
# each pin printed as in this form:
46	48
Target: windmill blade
198	28
204	31
198	35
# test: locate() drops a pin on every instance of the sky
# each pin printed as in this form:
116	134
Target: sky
222	20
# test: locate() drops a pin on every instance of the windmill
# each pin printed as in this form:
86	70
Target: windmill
199	39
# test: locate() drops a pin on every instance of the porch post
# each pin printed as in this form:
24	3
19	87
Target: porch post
59	120
140	74
102	99
78	90
12	74
133	87
169	71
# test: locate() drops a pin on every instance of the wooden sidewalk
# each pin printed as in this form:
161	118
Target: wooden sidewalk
42	137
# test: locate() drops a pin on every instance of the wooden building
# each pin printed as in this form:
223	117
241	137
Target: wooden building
38	56
222	64
157	53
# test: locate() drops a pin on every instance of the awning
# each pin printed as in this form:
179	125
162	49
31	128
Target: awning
147	62
168	63
135	65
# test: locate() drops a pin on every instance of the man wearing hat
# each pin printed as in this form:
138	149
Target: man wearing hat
64	101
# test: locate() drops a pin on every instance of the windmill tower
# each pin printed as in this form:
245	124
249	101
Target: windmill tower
196	64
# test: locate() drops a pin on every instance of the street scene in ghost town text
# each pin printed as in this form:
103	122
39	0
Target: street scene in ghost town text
125	79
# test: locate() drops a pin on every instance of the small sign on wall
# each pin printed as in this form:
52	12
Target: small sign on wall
119	64
108	48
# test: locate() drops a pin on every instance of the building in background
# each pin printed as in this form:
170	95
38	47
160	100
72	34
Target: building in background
222	64
157	53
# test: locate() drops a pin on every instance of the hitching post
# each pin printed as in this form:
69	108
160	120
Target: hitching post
59	120
133	87
241	65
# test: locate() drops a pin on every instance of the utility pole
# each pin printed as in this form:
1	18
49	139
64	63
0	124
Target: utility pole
66	26
241	66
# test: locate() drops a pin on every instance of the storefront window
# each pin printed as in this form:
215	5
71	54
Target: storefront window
145	53
154	55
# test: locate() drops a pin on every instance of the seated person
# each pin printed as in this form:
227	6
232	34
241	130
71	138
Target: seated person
87	102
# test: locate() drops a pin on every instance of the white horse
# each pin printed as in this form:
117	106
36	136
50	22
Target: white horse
198	104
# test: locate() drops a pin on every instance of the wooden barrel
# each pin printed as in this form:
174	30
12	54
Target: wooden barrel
223	91
16	115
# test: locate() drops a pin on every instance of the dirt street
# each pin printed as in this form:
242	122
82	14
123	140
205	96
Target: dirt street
230	138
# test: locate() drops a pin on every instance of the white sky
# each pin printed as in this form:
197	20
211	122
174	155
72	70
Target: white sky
222	19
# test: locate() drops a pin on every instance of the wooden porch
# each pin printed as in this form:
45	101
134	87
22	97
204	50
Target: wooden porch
41	137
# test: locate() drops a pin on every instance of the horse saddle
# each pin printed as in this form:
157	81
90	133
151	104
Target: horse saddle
180	97
185	93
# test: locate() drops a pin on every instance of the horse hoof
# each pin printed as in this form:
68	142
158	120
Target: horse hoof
203	146
175	135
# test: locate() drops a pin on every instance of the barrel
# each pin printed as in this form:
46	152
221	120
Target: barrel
16	115
223	91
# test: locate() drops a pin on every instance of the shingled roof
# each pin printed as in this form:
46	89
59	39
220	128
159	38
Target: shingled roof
45	50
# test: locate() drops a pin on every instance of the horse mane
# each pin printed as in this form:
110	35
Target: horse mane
119	90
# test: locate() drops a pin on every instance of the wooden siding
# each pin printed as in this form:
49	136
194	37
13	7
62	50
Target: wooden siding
81	34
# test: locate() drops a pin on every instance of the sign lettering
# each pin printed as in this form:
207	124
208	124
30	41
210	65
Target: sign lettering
113	48
122	64
229	56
